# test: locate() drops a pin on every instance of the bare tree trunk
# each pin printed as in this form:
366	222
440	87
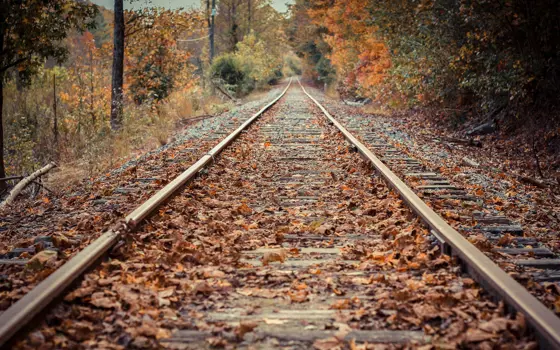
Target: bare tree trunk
249	19
233	29
118	67
93	118
3	185
55	124
212	30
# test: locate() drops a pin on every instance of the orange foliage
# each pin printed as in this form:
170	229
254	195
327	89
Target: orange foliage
357	52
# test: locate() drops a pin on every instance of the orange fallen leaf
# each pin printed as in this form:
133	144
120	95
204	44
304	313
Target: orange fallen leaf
298	297
274	256
244	328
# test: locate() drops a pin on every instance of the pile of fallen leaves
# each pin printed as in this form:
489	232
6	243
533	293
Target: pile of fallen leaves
196	258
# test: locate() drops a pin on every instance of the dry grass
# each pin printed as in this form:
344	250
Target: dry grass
377	109
144	129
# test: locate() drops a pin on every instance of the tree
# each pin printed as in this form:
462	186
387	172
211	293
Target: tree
30	32
118	67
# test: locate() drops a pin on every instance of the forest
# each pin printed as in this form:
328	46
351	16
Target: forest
58	92
455	61
459	61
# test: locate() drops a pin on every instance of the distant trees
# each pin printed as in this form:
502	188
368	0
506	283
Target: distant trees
237	18
30	32
501	54
251	41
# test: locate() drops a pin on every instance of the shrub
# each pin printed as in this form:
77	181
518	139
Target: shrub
232	74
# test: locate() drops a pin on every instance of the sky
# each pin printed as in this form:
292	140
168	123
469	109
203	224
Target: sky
280	5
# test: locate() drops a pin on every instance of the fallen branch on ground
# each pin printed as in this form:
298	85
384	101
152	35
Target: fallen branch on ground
11	178
25	182
223	91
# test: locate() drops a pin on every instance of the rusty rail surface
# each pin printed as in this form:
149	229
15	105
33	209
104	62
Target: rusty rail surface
25	309
479	266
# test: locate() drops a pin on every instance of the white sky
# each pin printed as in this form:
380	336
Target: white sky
280	5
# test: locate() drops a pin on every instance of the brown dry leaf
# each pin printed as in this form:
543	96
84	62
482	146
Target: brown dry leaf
361	280
203	287
41	260
244	209
79	293
244	328
342	304
100	300
212	273
477	335
495	325
324	229
257	292
79	331
36	338
425	312
298	297
330	343
273	256
166	293
218	342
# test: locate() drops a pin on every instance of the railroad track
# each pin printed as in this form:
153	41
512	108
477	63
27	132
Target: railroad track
286	241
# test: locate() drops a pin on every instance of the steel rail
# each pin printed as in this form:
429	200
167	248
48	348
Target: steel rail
25	309
479	266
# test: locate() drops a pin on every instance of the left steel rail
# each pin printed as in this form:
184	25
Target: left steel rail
25	309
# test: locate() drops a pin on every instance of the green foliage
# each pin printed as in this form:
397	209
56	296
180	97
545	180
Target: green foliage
259	61
325	71
37	29
250	67
292	65
229	71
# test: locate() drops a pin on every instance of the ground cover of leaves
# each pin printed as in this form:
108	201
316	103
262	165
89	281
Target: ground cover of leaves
195	265
500	191
54	228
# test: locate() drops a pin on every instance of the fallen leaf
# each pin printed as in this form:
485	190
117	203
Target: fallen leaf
100	300
41	260
203	287
477	335
298	297
330	343
273	256
244	328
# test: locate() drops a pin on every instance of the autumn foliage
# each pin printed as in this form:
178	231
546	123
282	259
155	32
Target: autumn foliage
482	56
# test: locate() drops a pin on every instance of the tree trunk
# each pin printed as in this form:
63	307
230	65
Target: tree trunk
249	19
212	30
3	185
118	68
233	29
55	124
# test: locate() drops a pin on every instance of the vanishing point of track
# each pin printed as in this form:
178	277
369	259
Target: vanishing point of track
294	142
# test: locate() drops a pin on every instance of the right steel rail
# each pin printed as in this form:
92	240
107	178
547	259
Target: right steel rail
478	265
23	311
